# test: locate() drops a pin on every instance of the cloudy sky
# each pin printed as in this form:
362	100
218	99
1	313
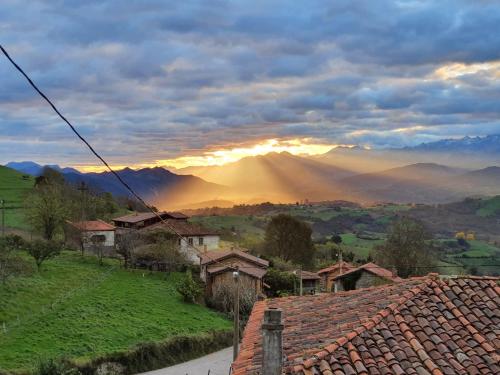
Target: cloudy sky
158	82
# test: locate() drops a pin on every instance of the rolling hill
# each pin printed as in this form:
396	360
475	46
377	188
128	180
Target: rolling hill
158	186
278	177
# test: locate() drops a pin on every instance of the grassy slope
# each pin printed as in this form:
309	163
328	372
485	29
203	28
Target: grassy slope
489	207
78	309
13	187
360	247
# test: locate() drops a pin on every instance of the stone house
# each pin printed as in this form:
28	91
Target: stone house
196	239
365	276
217	267
328	274
310	281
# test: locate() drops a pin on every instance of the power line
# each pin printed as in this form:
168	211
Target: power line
129	188
96	154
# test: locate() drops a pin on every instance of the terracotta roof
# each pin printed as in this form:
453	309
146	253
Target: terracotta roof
183	228
214	256
257	272
419	326
177	215
141	216
92	225
345	267
374	269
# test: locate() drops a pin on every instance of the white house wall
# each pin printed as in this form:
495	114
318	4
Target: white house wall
211	243
108	234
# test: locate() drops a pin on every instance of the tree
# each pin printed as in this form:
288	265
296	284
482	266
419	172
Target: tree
280	282
42	250
290	239
126	243
11	264
97	244
406	249
46	210
160	250
189	289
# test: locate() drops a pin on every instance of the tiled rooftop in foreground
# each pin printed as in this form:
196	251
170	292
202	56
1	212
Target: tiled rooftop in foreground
421	326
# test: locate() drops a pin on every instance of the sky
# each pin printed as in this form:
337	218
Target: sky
205	82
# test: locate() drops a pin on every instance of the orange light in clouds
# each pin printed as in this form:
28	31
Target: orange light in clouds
302	146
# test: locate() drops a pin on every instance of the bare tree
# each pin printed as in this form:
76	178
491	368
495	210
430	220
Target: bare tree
126	243
97	243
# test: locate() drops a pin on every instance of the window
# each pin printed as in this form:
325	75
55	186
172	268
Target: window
190	241
200	241
97	238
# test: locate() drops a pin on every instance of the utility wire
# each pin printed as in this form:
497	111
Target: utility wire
129	188
96	154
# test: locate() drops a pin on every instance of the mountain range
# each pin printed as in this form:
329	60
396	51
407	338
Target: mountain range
358	174
466	152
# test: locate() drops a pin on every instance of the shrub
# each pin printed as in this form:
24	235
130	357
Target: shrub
53	367
280	283
42	250
151	356
189	289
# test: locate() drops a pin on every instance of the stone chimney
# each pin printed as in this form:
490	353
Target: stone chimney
272	342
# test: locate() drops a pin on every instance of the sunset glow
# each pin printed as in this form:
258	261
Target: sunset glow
298	146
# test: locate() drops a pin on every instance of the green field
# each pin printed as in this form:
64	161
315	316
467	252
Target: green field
360	247
239	228
489	207
78	309
13	187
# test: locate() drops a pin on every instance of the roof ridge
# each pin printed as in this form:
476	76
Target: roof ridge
372	322
454	277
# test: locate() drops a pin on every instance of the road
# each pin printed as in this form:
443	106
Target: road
218	363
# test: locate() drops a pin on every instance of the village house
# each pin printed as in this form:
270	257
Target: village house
328	274
364	276
422	326
86	234
217	267
140	220
196	239
310	281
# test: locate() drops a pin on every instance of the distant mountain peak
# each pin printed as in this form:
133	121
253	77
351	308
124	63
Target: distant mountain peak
489	144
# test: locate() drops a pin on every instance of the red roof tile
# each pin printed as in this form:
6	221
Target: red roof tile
183	228
215	256
141	216
92	225
374	269
345	267
418	326
256	272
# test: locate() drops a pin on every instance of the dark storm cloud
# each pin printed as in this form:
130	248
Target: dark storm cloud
157	79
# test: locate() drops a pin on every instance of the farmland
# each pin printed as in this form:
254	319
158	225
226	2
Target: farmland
77	309
362	228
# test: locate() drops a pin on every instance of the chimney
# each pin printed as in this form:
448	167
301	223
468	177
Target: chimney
272	342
